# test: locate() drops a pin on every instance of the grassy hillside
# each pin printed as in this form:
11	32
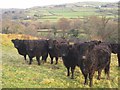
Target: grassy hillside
18	74
54	12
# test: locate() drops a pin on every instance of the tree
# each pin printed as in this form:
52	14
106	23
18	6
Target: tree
64	24
46	24
75	24
9	26
111	32
54	29
96	27
102	28
73	33
31	30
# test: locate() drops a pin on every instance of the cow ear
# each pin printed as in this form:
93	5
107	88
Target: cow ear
12	40
46	41
99	42
55	41
58	46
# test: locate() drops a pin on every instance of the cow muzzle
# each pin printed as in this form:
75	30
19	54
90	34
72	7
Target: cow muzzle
83	57
50	47
63	54
31	49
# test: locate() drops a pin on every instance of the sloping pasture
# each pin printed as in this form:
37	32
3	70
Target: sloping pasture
16	73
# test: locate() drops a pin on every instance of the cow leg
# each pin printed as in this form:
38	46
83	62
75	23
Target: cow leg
118	55
51	59
56	60
86	81
107	71
25	57
38	59
68	72
91	78
72	70
85	75
99	74
44	58
30	61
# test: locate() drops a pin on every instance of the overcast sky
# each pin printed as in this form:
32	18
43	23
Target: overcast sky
31	3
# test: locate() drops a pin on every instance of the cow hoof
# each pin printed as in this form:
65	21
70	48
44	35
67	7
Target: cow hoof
108	78
43	62
51	62
68	75
98	78
85	83
90	85
26	61
30	63
39	64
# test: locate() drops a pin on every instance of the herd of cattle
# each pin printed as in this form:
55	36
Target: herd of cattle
89	56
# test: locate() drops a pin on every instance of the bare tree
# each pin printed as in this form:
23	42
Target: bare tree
102	28
96	27
64	24
75	24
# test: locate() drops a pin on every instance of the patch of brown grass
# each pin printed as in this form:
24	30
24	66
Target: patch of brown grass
6	38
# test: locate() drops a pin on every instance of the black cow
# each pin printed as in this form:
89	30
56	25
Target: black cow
53	49
20	46
37	48
116	50
114	47
94	58
70	57
118	54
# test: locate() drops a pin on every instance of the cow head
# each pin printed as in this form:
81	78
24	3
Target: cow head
114	48
51	43
64	49
83	49
16	42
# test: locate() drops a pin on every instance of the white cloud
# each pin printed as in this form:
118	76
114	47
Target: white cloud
31	3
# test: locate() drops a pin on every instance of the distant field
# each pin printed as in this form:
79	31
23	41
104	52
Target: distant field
53	14
66	14
18	74
72	10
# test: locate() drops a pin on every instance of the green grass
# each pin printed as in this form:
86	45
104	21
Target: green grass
53	14
18	74
68	13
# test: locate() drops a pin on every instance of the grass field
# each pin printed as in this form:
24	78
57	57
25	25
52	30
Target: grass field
18	74
72	11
